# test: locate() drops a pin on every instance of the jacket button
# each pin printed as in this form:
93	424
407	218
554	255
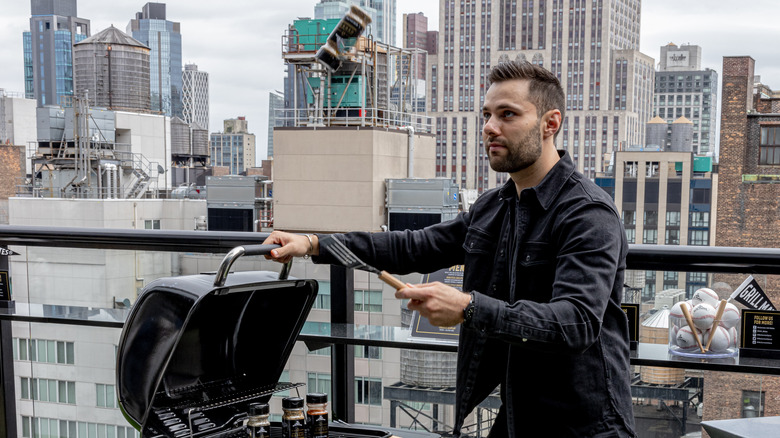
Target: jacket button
471	244
525	340
527	258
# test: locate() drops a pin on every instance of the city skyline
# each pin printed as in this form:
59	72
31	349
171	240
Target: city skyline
231	44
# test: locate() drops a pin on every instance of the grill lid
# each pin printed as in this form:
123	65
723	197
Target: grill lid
189	345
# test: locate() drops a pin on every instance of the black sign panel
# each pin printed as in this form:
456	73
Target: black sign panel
632	312
5	287
760	333
750	294
421	328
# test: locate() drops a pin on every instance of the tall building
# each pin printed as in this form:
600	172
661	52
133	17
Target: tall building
195	96
275	107
48	55
591	47
234	148
417	36
163	37
684	89
112	70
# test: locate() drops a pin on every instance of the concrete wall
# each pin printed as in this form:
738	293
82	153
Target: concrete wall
21	128
149	135
333	179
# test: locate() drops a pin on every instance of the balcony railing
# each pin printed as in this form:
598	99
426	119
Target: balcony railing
342	333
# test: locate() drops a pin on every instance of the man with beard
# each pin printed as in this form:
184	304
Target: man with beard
544	260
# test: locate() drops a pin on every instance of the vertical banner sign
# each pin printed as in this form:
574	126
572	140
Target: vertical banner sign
5	287
421	328
750	294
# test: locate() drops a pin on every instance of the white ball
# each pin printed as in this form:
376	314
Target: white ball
705	295
686	339
733	338
720	339
730	316
673	333
703	314
676	311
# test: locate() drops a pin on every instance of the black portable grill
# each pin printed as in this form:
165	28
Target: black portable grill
196	350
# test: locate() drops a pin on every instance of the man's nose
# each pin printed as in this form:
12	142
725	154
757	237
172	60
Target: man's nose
490	128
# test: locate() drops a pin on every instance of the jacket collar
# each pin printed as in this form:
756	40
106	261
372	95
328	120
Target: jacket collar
547	190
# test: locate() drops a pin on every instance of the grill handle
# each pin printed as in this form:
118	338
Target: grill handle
235	253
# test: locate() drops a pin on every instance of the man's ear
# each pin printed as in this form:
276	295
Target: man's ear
551	123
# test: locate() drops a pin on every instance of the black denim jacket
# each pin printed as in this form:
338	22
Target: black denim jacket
547	272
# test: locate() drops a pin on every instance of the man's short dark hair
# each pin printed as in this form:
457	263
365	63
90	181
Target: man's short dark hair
544	89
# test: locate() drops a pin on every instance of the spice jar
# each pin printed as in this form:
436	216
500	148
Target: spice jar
293	420
317	414
257	424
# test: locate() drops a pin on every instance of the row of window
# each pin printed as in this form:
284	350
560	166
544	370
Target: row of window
696	218
63	391
366	300
36	427
44	350
650	237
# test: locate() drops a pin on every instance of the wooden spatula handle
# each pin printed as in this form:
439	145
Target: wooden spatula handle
392	281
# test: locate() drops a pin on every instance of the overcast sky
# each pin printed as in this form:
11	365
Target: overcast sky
238	42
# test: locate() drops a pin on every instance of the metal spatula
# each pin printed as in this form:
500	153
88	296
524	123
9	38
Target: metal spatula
350	260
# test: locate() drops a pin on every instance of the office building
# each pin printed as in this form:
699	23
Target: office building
163	37
234	148
275	107
195	96
18	123
592	48
684	89
111	69
48	55
665	198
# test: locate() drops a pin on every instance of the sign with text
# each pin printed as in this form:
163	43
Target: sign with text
750	294
421	328
632	312
760	333
5	287
677	59
7	252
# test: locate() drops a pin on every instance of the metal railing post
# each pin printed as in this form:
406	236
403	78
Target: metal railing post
342	311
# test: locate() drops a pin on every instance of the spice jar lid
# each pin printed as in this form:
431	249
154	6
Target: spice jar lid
316	397
292	403
258	409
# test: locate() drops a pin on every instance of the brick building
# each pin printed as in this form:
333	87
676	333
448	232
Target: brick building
748	216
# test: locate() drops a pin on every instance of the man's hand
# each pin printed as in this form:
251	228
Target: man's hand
442	305
293	245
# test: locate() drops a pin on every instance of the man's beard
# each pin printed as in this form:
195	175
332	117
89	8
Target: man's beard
520	154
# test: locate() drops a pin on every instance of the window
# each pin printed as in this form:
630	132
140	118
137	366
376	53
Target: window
630	235
368	300
629	217
769	149
105	397
700	219
672	237
651	218
368	351
323	296
368	391
752	404
650	237
672	218
699	238
320	382
152	224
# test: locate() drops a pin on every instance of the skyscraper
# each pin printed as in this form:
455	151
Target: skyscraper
48	54
163	37
683	89
195	96
234	148
417	36
275	107
592	47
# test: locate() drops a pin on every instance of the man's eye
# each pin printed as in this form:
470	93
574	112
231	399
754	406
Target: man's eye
486	116
507	114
